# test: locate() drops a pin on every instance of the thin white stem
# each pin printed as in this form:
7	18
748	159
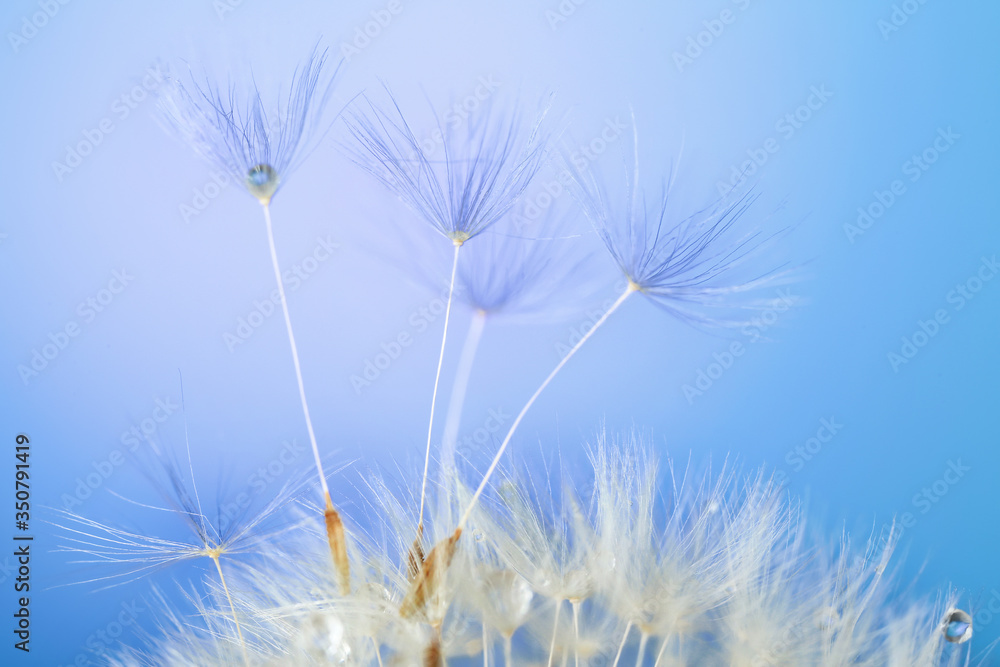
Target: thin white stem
437	379
508	650
295	352
459	390
555	630
486	649
621	647
232	607
576	632
663	648
643	638
378	653
632	287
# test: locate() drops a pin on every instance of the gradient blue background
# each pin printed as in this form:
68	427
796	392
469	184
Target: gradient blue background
61	240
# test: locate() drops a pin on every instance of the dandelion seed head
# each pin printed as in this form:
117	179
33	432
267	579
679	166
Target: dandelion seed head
258	142
486	164
714	570
692	266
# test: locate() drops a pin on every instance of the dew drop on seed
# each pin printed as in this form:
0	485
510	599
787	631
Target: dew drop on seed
262	181
958	627
510	597
325	639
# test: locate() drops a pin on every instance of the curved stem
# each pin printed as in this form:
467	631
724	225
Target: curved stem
437	379
632	287
295	352
232	607
643	638
621	647
459	391
555	630
334	526
576	632
663	648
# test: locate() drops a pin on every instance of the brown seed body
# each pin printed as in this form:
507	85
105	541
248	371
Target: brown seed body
415	558
338	546
429	578
433	655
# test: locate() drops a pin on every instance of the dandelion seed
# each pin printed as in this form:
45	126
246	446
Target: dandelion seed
482	175
261	145
673	266
485	168
258	144
142	554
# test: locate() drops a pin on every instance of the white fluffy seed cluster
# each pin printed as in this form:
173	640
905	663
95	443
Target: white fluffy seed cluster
718	571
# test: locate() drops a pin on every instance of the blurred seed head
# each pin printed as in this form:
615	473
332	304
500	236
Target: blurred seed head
694	265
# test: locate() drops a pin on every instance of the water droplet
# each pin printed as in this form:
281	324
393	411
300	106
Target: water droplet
325	639
510	596
958	627
479	535
262	181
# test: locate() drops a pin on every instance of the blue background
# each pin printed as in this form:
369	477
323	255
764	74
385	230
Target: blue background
891	94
